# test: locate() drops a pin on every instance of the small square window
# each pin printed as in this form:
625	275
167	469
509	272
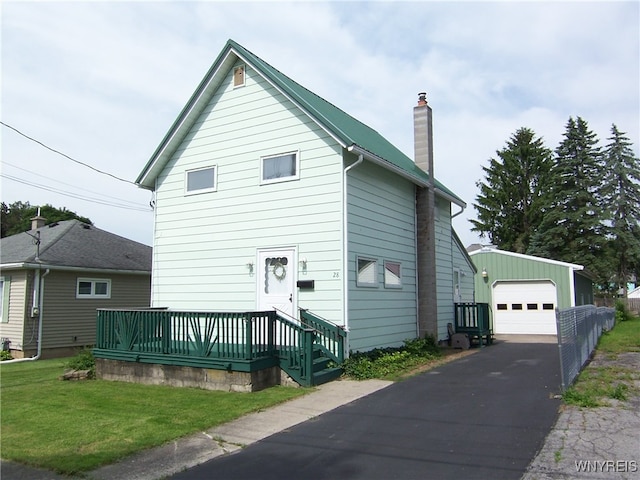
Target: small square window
392	275
280	168
200	180
502	306
367	275
547	306
532	306
516	306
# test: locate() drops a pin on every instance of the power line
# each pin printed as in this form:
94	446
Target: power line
65	155
135	204
73	195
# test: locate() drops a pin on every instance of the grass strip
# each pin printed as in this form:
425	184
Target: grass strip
597	385
76	426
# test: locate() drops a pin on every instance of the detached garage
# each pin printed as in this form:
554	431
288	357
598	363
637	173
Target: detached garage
524	291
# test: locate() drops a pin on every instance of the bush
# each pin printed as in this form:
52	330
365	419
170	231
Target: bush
84	360
382	362
622	313
5	355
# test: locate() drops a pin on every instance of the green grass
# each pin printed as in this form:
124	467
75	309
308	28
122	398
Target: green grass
76	426
597	385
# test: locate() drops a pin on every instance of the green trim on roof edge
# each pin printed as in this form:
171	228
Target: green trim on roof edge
343	126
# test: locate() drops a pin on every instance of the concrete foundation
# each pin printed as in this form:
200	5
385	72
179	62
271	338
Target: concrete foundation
176	376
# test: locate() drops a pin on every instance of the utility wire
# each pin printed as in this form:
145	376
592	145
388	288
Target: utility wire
72	195
135	204
65	155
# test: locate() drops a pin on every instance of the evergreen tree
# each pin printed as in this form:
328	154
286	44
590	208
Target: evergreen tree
572	226
511	199
16	218
621	194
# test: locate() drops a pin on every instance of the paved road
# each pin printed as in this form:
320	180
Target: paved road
483	416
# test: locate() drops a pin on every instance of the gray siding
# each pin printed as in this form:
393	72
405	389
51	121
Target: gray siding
444	267
381	217
71	322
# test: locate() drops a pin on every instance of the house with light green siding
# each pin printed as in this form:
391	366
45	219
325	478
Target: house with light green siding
524	291
267	197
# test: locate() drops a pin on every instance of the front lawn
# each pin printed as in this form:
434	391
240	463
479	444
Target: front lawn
76	426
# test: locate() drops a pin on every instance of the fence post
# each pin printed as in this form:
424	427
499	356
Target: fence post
248	332
309	333
166	331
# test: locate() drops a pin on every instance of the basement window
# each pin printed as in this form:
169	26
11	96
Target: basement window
367	272
93	288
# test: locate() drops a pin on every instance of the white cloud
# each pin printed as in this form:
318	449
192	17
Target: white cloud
103	81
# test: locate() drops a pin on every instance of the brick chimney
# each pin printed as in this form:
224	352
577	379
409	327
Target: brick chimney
38	221
425	215
423	135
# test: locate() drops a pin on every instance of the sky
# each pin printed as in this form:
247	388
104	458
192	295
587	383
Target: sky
102	82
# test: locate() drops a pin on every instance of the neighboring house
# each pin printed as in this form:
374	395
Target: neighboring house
635	293
268	196
524	291
54	277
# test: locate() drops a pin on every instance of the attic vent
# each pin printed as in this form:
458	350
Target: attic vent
86	226
238	76
54	224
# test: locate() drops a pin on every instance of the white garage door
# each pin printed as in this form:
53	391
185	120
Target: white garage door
524	307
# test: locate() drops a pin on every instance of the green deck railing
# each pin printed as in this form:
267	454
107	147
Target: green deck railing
240	341
474	320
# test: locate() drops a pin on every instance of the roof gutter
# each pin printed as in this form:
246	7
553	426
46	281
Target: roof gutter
403	173
36	266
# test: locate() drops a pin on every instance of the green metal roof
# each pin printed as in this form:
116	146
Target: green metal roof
346	129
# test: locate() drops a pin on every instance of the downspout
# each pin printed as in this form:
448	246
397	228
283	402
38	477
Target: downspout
40	303
345	248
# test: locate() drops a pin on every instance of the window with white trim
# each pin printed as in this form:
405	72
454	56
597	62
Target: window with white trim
4	299
279	168
367	272
392	274
93	288
200	180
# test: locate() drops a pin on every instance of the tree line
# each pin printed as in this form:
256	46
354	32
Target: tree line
16	217
579	203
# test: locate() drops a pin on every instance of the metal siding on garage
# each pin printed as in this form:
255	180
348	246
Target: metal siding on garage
525	307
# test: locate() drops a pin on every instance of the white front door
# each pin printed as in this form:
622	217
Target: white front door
276	280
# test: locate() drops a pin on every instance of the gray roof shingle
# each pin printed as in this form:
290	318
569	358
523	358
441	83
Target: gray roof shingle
72	243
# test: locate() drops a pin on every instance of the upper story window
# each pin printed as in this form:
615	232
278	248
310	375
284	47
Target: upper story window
93	288
280	168
200	180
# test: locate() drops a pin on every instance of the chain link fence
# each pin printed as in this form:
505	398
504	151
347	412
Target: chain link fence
579	329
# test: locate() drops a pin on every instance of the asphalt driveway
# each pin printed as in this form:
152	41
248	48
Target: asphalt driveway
483	416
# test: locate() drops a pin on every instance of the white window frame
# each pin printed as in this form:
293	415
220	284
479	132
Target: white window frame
296	176
359	281
93	282
201	190
388	284
4	299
